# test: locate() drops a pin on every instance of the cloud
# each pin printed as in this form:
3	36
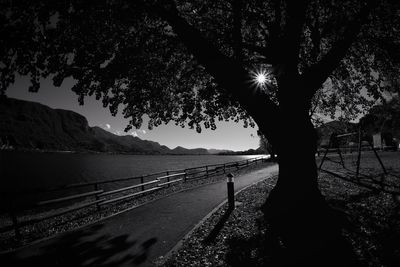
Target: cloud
105	126
137	133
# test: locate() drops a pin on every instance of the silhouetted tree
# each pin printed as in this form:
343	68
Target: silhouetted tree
265	145
384	118
194	62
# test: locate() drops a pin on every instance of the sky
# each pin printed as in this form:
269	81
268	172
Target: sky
228	135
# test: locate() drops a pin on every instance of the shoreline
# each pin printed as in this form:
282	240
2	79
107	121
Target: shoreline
25	150
68	222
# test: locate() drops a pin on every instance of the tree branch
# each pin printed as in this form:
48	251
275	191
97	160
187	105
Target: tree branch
271	38
316	74
275	26
265	51
296	13
278	13
315	33
237	29
227	72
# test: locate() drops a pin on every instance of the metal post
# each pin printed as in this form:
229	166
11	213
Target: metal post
326	152
231	191
358	155
341	157
96	188
142	181
168	178
377	156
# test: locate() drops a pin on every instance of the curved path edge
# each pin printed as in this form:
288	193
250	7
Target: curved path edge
164	258
136	237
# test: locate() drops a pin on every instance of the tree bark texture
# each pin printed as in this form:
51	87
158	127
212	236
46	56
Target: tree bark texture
310	230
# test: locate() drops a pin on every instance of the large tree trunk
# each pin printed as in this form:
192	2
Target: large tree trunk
296	209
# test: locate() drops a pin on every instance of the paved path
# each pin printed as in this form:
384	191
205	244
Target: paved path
133	238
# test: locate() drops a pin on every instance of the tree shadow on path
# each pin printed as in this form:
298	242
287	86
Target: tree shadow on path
266	249
261	249
84	248
218	227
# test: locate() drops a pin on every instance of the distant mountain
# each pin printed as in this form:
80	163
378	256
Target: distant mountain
219	151
30	125
245	152
127	143
195	151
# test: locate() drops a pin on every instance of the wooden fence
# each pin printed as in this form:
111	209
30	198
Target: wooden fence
74	197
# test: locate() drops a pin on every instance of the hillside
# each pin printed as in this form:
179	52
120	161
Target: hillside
218	151
194	151
32	126
127	143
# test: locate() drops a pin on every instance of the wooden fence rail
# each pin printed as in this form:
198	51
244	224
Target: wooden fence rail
104	197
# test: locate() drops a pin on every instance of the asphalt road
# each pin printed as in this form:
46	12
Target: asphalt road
133	238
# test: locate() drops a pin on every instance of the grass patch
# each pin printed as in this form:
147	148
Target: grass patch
244	239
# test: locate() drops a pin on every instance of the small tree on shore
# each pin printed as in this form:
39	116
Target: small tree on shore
196	62
265	145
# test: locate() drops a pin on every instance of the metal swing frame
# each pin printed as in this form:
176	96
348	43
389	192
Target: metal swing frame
333	140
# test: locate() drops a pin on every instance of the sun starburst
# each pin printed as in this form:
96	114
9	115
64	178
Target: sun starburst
260	77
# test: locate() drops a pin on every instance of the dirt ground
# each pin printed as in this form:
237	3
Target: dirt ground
372	205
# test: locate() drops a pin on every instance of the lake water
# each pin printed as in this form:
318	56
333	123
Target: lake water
22	171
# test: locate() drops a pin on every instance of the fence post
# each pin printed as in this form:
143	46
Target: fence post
96	188
231	191
168	178
224	168
247	162
185	176
358	155
142	181
15	224
379	159
206	171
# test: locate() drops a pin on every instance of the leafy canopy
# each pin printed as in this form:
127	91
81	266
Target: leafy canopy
133	53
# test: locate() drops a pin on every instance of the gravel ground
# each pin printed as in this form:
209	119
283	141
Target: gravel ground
89	215
242	238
